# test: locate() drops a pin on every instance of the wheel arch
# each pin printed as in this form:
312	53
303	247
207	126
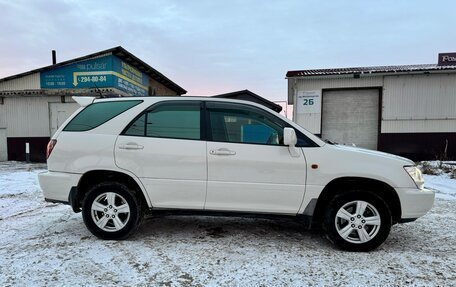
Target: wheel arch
345	184
92	177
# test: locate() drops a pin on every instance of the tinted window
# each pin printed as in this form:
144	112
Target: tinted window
176	120
245	124
241	124
98	113
138	128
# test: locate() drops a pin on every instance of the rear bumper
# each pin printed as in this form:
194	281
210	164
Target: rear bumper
56	186
415	202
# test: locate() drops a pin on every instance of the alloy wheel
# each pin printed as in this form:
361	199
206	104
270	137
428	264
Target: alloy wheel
358	221
110	211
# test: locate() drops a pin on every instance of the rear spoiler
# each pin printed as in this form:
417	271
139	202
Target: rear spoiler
84	101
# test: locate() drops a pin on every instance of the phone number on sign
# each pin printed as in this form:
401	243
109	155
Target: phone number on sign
88	79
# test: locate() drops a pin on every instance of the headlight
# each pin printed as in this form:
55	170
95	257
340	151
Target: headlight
416	175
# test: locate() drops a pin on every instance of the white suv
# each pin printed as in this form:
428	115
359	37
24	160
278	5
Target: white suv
118	159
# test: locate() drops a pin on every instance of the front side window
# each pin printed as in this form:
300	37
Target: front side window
240	124
169	120
97	114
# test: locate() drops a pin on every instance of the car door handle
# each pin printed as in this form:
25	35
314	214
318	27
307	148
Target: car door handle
131	146
222	151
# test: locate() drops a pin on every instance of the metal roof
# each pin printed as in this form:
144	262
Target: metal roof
122	54
370	70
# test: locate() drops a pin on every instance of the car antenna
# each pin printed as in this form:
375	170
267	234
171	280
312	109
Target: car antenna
99	91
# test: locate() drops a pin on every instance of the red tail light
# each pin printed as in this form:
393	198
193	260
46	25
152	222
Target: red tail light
50	147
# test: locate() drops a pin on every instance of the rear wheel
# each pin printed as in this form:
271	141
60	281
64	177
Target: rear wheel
111	211
357	221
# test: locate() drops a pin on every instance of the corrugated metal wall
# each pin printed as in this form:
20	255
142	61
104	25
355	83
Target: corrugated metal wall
419	103
3	115
3	145
30	82
410	103
312	122
27	119
27	116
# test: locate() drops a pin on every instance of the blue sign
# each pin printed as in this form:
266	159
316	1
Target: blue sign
104	72
129	79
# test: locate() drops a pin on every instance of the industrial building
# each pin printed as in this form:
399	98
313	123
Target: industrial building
35	103
408	110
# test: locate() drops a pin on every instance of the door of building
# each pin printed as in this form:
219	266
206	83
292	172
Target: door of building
350	117
58	113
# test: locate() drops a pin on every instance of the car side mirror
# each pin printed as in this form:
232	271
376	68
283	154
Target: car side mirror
290	139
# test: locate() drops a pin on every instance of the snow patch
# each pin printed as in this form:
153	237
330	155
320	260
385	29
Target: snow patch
45	244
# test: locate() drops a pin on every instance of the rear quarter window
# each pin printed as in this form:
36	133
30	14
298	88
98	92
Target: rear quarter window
97	114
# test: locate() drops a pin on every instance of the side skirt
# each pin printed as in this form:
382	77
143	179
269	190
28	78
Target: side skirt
306	220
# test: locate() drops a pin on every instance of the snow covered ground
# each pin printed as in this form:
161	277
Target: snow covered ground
47	244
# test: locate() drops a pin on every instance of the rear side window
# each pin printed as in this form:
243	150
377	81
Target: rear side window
170	120
97	114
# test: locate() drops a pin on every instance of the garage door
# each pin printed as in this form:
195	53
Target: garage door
351	117
59	112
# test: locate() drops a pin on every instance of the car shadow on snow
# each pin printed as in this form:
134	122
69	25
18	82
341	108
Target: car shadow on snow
219	230
228	229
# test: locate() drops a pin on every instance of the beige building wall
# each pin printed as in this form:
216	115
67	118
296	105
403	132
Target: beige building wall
27	116
419	103
29	82
410	103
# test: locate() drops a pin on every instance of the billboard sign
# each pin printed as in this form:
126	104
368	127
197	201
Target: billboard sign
129	79
447	59
104	72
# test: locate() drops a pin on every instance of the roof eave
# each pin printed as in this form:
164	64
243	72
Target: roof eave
146	68
375	74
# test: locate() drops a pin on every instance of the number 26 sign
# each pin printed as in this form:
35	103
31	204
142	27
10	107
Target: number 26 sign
309	102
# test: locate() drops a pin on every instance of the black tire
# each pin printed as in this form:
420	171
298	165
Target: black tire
123	195
354	241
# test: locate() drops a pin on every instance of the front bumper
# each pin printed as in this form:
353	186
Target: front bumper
56	186
415	202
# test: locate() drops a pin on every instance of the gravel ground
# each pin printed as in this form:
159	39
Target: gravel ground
47	244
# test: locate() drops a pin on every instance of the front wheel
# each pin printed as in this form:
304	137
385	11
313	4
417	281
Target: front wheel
357	221
111	211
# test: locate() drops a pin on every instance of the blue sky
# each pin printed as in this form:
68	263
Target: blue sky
211	47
